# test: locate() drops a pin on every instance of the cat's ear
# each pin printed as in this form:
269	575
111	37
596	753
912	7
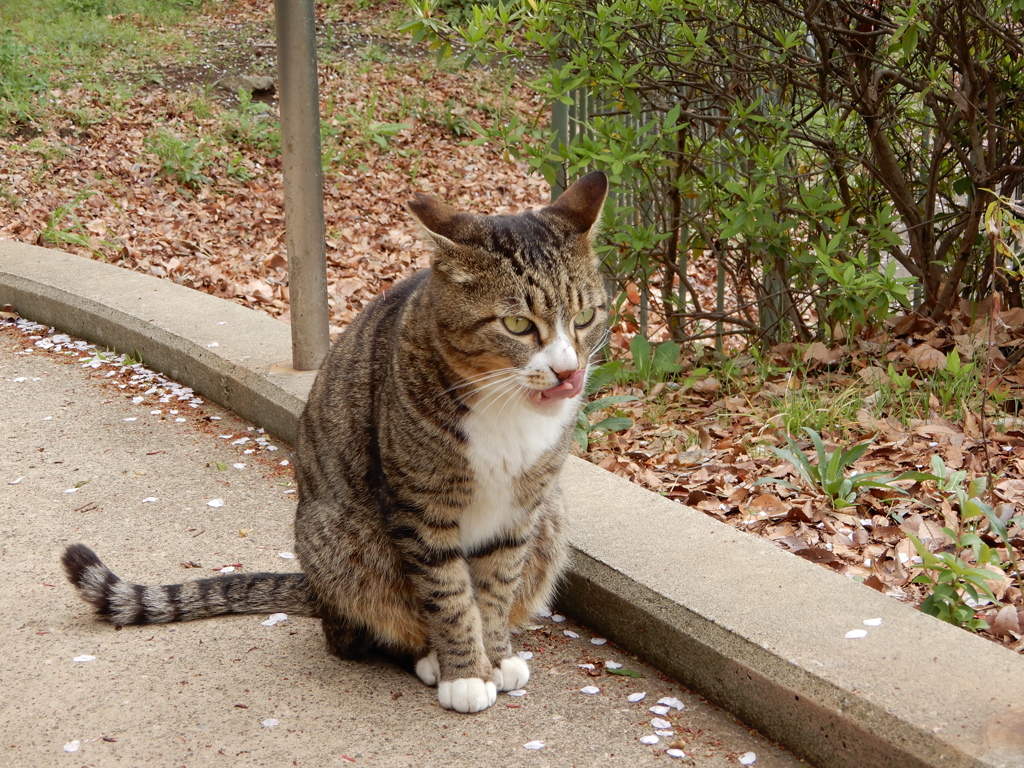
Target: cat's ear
447	229
442	222
580	205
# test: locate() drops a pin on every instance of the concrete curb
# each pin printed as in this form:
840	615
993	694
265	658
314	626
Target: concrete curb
757	630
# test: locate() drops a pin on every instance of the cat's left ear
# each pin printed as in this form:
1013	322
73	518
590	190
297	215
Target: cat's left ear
580	205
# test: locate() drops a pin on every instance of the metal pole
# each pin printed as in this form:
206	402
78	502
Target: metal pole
303	181
560	136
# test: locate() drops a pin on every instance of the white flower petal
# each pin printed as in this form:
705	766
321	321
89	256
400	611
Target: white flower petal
634	697
748	758
286	555
525	655
570	634
557	618
657	722
671	701
598	641
84	658
612	665
872	622
658	710
215	503
675	753
270	722
590	690
150	499
533	745
227	569
649	739
72	746
855	634
517	692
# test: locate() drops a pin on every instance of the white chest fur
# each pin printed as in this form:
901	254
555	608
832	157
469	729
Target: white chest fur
507	436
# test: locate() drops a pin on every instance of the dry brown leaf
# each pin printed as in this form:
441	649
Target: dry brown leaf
767	504
999	582
707	386
873	376
926	357
818	353
1006	622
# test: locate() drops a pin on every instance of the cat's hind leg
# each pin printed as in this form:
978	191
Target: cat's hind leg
428	669
347	640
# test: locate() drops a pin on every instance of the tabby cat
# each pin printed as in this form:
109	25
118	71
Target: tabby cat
428	457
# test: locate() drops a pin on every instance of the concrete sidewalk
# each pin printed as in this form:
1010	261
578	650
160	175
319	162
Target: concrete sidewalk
754	628
130	467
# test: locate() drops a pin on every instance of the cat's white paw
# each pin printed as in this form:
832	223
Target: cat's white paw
513	673
467	694
428	669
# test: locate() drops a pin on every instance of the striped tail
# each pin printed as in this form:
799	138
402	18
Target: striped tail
121	603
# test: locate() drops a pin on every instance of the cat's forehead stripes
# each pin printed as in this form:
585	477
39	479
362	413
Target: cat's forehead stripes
529	243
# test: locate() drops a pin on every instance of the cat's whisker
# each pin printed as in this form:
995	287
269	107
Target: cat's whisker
599	346
482	377
497	393
487	389
515	396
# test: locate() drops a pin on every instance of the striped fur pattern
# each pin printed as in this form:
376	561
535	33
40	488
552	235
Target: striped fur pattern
121	603
429	519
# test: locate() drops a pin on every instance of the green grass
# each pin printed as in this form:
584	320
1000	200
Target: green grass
61	44
798	396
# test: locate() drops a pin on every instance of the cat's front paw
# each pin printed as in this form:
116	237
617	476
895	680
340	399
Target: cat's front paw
428	669
467	694
513	673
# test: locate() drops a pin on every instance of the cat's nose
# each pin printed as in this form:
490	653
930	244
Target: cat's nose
563	375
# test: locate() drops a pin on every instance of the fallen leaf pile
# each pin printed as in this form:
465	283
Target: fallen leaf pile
707	444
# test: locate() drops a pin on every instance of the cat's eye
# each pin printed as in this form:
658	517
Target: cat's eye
584	318
517	325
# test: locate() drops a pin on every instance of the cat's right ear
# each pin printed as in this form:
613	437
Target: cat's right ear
444	226
439	220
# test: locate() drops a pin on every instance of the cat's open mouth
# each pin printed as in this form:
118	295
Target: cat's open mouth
563	390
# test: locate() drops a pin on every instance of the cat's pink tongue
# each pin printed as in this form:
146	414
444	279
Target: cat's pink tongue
571	387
